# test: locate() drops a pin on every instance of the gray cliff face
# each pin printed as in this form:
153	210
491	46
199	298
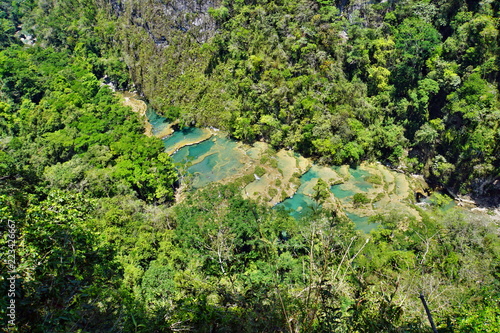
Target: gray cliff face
161	41
162	18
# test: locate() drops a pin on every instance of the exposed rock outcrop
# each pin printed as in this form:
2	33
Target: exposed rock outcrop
161	40
162	18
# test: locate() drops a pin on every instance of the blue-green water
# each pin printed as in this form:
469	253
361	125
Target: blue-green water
217	158
299	205
359	177
158	122
340	192
212	160
186	134
362	222
221	161
204	171
189	153
358	173
309	175
182	155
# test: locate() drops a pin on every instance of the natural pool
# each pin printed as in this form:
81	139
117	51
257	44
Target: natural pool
362	222
354	183
158	122
211	160
299	205
209	157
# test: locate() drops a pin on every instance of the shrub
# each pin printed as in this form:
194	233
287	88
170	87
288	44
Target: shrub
360	199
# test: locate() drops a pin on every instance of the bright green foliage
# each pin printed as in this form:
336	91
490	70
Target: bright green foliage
439	200
321	191
360	199
342	81
486	320
74	132
338	81
65	141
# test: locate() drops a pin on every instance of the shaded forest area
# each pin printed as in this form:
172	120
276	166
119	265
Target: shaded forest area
100	244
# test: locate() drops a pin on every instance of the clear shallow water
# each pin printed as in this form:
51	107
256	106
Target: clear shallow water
186	135
221	160
182	155
362	222
340	192
190	153
217	158
204	171
158	122
358	179
299	205
309	175
212	160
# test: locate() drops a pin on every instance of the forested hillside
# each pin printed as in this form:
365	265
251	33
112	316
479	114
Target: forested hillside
100	244
411	83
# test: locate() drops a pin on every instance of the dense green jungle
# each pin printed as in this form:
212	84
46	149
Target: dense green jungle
110	235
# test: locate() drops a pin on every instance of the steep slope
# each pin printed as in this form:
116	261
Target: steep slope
409	83
161	41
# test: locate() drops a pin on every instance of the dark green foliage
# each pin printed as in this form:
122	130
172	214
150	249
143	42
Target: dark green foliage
227	228
67	262
342	84
63	271
100	251
415	41
11	16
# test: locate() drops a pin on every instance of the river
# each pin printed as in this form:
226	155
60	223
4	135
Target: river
284	178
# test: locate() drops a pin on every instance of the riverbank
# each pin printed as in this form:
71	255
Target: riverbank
284	178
